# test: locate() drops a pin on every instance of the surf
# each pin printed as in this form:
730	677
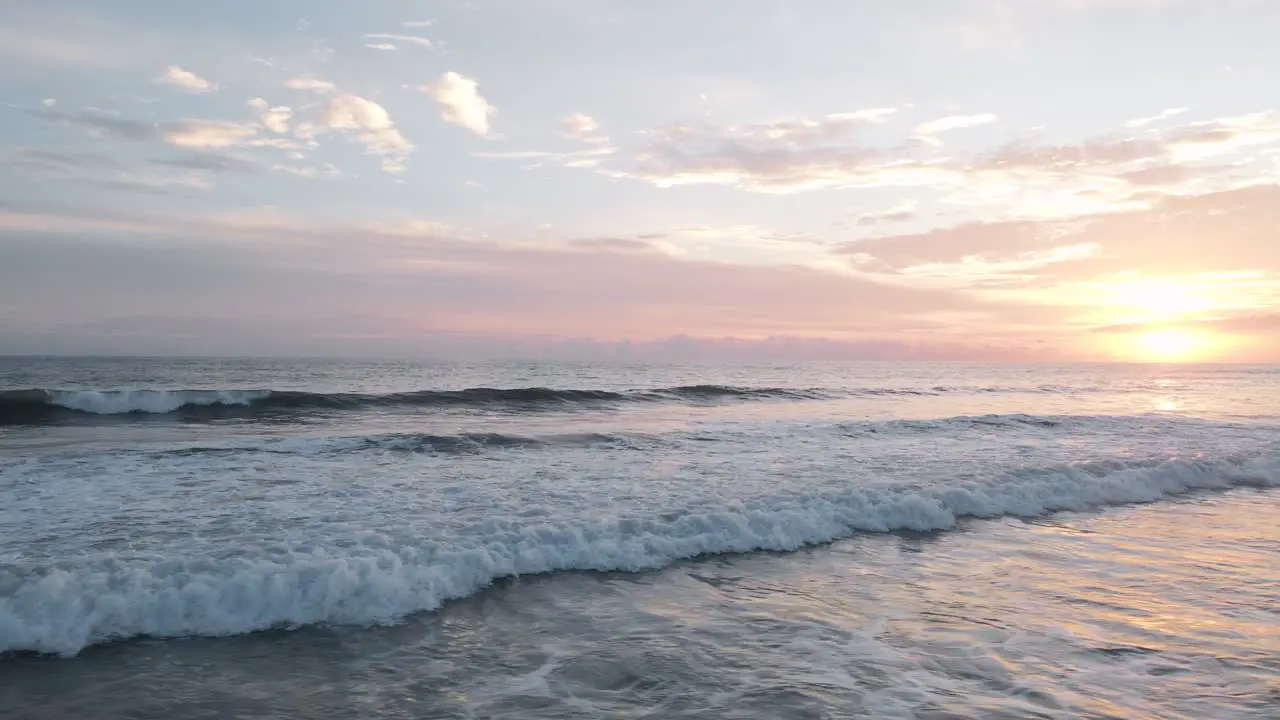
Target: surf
376	578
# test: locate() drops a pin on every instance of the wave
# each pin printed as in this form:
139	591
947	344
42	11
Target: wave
478	442
39	406
461	444
65	607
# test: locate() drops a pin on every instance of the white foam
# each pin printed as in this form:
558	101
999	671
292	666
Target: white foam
379	578
118	402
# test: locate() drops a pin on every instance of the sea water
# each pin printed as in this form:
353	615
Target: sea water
334	539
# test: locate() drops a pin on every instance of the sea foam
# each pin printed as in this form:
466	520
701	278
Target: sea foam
118	402
66	606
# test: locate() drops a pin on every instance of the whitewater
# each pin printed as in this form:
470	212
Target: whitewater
178	502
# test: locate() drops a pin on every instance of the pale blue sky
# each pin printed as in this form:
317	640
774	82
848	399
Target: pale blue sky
405	176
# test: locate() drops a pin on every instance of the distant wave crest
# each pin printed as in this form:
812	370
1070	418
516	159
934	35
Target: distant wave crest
35	406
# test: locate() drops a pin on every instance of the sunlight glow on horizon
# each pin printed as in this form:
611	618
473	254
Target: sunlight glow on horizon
1174	345
1168	345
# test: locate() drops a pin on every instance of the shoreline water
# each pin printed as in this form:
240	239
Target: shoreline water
364	524
1048	618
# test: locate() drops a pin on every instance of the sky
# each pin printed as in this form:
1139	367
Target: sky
757	180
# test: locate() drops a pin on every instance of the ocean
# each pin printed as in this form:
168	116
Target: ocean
340	539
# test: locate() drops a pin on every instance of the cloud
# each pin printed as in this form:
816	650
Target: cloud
1159	175
275	119
99	124
205	133
388	40
1096	153
381	46
105	172
1050	280
1264	324
327	170
60	162
152	184
578	126
951	245
991	270
461	103
927	130
1145	121
1090	262
180	133
417	23
785	156
590	157
211	162
175	76
1208	139
614	244
371	124
310	84
1022	179
446	282
870	115
904	211
1256	323
366	121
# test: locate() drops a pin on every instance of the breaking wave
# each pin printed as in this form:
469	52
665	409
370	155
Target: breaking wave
64	607
461	444
33	406
38	406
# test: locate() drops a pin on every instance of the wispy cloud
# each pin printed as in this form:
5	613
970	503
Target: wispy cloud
986	271
784	156
615	244
389	41
180	133
175	76
902	212
1109	267
927	132
1025	178
461	103
205	133
59	161
1163	115
211	162
310	84
153	184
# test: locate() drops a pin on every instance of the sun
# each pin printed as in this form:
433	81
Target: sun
1171	345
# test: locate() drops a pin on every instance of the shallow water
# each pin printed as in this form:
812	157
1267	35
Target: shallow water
979	552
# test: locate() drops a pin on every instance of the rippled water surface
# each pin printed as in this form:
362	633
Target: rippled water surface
317	539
